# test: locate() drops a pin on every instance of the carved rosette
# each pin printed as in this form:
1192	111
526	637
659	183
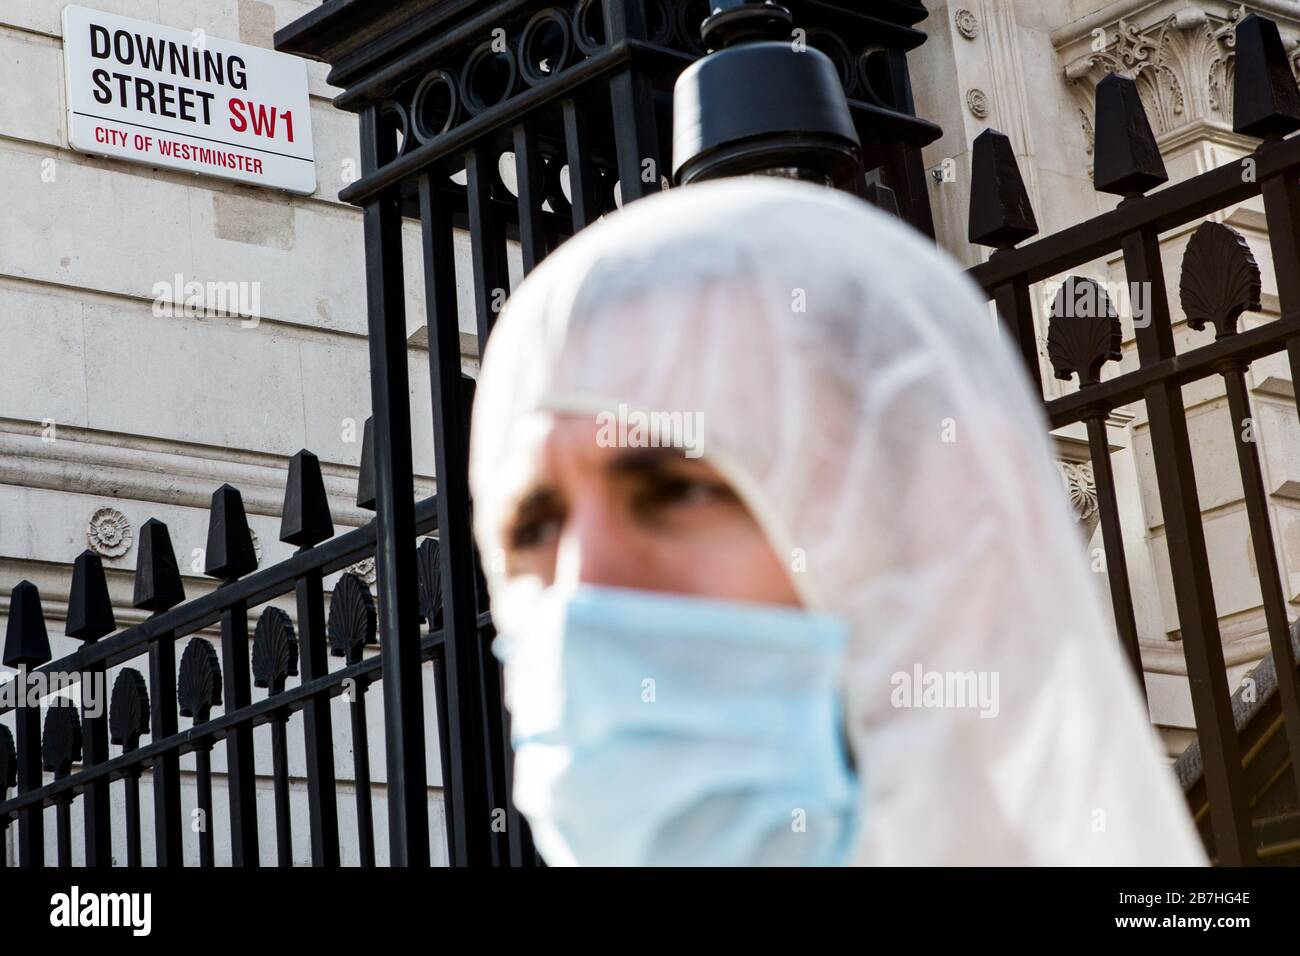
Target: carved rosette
108	533
967	23
977	102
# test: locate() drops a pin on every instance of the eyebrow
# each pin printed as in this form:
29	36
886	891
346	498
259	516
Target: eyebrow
631	462
627	463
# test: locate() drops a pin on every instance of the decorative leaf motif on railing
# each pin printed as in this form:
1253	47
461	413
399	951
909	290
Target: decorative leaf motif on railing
429	574
8	761
128	713
1083	331
352	619
198	689
61	739
1220	279
275	650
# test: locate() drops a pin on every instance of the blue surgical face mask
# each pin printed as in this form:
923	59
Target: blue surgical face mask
658	729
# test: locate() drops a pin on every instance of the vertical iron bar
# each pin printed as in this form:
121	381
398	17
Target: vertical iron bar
488	245
1017	315
31	819
1261	539
399	644
444	752
98	822
528	183
63	826
582	176
166	766
636	134
241	774
1282	208
470	805
1112	540
490	713
322	805
361	777
631	92
203	767
280	782
132	786
1189	563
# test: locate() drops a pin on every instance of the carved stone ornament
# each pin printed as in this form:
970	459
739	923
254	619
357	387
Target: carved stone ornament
977	102
1182	59
1081	492
967	23
365	570
108	533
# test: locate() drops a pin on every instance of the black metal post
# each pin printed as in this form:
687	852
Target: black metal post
408	818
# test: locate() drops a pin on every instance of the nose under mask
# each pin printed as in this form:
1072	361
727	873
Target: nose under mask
658	729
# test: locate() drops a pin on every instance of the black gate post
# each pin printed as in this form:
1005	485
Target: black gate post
399	642
469	806
465	84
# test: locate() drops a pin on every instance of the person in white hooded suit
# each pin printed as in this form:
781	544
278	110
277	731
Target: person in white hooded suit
840	614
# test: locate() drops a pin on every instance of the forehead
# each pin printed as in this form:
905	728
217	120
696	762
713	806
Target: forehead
553	446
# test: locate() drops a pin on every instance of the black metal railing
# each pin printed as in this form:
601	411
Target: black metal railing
1219	282
281	647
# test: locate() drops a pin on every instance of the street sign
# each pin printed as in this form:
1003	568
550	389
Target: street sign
184	100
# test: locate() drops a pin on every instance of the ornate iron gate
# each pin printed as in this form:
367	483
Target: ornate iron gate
579	94
1219	282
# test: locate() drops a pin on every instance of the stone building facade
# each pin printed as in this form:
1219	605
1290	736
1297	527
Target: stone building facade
1030	70
112	411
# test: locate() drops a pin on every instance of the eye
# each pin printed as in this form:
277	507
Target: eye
536	524
679	491
533	533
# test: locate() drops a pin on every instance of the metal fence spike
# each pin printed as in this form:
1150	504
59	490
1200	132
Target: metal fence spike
1000	212
90	610
366	478
27	643
305	517
230	553
1126	159
1265	100
157	578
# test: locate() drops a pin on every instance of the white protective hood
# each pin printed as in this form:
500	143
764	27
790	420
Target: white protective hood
853	390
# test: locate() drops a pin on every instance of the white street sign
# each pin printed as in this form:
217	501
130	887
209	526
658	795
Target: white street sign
185	100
